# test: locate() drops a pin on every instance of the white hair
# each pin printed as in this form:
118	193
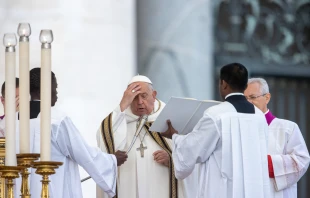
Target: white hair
262	84
150	86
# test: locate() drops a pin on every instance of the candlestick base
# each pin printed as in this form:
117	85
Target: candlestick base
10	173
45	168
25	160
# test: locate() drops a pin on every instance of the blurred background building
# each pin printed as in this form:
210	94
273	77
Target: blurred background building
180	44
183	44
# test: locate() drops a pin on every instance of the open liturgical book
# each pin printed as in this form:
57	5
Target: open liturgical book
184	114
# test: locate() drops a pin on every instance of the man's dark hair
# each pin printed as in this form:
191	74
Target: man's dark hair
3	86
235	75
35	77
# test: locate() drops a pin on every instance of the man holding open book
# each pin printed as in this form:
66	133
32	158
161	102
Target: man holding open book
229	142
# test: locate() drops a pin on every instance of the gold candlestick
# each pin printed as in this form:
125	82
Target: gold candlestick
25	160
45	168
10	173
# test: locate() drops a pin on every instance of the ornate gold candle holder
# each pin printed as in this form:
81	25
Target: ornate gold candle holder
46	168
25	160
10	173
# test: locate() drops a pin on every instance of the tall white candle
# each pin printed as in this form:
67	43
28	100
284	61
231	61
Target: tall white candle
9	41
24	32
46	38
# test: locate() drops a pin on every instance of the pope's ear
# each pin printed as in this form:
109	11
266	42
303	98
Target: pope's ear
154	94
268	97
2	100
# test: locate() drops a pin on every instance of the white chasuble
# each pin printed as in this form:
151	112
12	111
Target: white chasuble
290	157
231	149
139	177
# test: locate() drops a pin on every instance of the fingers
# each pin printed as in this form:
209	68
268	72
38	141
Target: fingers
162	157
159	155
121	157
163	161
157	152
169	124
133	90
121	153
130	93
134	87
136	90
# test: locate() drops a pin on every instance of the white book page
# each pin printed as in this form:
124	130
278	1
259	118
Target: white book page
204	105
178	111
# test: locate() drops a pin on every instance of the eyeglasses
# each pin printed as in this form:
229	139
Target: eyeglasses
254	97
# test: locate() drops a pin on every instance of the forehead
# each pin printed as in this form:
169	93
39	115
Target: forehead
253	88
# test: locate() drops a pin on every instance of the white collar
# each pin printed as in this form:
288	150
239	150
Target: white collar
267	111
233	94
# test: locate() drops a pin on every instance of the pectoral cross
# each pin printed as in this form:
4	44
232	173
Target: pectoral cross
141	149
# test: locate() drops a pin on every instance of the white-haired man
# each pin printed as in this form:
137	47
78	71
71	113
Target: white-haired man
149	170
288	157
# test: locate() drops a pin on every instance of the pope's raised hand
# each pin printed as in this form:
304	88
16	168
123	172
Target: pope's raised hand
121	157
130	93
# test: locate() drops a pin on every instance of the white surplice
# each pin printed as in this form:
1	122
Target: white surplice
141	177
231	149
69	147
290	157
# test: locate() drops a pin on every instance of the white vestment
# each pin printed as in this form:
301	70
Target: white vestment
231	148
290	157
69	147
140	177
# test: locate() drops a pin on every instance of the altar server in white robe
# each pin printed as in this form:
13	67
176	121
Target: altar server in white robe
148	173
288	156
229	142
69	147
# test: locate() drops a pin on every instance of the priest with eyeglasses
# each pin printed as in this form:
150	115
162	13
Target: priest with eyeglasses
288	156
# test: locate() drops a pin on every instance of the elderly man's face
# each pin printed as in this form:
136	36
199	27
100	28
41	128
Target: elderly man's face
255	96
143	104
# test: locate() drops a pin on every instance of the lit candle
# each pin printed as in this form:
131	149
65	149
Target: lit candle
46	38
9	41
24	32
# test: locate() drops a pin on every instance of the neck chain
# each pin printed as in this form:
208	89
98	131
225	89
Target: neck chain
141	140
